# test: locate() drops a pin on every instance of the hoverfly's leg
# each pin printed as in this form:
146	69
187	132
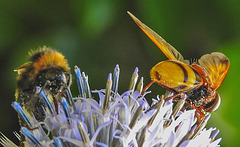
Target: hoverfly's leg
175	97
184	107
146	87
201	124
202	118
199	112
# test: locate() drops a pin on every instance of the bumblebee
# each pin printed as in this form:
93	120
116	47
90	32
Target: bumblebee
47	69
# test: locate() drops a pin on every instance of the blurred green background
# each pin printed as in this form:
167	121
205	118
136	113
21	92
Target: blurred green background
98	35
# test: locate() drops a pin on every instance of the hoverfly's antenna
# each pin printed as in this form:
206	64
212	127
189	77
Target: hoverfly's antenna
146	87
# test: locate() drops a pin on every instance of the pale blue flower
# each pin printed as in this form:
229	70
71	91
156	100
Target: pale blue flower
125	119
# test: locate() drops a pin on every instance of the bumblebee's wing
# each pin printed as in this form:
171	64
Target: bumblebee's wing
169	51
216	65
22	67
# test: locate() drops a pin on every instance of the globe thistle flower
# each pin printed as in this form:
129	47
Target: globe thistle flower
125	119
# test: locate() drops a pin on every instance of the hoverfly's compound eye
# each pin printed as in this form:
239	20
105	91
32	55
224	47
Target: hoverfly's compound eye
214	104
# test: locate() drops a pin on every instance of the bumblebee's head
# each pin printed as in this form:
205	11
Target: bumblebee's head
53	80
51	70
45	69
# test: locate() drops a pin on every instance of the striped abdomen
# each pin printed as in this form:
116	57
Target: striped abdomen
175	75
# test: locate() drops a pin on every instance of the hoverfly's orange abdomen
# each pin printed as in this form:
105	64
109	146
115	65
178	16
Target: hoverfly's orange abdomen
175	75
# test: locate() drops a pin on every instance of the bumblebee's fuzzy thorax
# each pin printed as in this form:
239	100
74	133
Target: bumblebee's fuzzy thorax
47	58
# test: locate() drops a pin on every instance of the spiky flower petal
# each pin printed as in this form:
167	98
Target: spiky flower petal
125	119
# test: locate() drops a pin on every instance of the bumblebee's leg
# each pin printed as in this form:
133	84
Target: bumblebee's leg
55	101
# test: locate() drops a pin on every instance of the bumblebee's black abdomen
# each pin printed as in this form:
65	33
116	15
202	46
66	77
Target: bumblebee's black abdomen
31	103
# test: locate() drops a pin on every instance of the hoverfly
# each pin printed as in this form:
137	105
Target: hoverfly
198	81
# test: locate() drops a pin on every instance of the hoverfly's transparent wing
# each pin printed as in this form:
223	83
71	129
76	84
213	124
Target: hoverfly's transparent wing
216	64
169	51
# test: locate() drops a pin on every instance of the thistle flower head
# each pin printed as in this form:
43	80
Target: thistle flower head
125	119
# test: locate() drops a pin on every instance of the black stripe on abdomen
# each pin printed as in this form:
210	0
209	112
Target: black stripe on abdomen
196	76
184	72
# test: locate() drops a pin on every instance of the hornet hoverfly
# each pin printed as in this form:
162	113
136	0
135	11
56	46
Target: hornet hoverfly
198	81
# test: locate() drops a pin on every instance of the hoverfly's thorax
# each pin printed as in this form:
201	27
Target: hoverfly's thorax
198	96
201	96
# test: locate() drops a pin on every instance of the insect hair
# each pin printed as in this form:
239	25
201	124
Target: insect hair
193	61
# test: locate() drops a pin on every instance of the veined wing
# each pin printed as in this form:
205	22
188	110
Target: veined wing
216	64
169	51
